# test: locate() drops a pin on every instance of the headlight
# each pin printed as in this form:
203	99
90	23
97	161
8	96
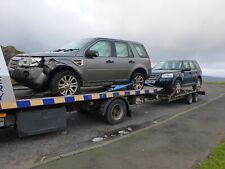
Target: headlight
29	61
167	76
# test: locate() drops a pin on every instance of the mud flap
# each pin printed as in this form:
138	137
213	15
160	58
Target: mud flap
41	120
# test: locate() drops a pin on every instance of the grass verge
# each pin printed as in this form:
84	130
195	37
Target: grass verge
216	160
215	83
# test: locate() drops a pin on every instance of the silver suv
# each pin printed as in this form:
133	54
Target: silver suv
87	62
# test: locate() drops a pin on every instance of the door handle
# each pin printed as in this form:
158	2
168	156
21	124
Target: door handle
131	61
109	61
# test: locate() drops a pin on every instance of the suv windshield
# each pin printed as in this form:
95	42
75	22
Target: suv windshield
74	45
168	65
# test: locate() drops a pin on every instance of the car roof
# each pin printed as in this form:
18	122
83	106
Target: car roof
178	60
111	39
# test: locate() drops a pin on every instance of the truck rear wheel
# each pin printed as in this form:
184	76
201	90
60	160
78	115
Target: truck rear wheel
116	111
65	83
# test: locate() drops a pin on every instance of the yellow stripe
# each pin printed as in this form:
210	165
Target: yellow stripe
59	100
95	96
79	98
36	102
132	92
142	92
9	105
110	94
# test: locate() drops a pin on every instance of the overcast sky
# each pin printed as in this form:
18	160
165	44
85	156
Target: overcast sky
170	29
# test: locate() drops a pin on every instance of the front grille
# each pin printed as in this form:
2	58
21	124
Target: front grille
13	64
154	77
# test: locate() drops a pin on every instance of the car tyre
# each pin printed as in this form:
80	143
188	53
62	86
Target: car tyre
189	99
198	85
139	80
195	97
116	112
65	83
177	86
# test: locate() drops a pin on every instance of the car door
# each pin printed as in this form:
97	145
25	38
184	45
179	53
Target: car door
99	69
194	72
187	79
123	60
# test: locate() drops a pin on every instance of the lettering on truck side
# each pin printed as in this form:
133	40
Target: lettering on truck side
1	89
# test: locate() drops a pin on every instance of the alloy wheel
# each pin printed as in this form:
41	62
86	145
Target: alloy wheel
68	85
138	82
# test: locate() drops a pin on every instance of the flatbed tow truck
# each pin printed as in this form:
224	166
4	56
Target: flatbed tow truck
36	115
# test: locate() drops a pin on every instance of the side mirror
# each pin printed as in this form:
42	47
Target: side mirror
91	54
186	69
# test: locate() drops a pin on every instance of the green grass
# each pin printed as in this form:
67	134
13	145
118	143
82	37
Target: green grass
215	83
216	160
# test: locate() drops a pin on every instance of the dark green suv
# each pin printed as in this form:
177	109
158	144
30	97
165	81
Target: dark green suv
175	74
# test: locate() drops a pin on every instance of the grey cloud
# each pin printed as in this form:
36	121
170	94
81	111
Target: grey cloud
173	29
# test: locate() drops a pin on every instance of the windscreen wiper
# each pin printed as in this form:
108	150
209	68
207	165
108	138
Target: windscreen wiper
71	49
59	50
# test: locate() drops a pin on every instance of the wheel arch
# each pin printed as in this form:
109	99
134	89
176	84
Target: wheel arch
62	68
178	78
200	77
139	69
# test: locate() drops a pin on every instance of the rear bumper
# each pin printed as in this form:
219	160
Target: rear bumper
33	78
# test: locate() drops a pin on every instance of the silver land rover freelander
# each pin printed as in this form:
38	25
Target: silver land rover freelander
87	62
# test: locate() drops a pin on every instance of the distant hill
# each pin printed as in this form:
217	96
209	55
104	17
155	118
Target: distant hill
213	79
9	52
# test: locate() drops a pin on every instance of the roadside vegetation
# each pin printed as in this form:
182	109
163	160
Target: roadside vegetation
216	160
215	83
9	52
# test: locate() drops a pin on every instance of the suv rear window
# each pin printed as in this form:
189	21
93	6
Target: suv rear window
140	50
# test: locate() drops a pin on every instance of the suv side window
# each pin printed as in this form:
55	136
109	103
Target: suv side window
103	48
121	49
196	65
192	65
186	65
140	50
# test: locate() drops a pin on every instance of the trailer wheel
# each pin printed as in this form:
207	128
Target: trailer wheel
189	99
195	97
116	111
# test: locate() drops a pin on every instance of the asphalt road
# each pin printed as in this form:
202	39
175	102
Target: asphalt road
180	142
82	128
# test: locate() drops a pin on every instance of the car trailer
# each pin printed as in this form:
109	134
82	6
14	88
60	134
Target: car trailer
46	114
